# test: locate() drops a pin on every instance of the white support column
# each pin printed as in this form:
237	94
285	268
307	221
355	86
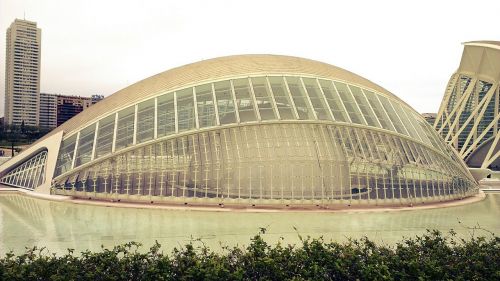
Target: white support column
176	114
28	170
409	118
356	103
497	102
195	104
483	105
308	99
324	99
76	150
273	100
20	174
40	172
35	172
236	110
216	107
359	141
252	93
447	96
487	159
155	121
385	112
292	103
476	141
343	139
458	106
492	159
115	129
400	120
94	144
341	102
371	108
134	138
459	109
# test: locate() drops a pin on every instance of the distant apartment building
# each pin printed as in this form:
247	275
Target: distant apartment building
48	110
69	106
56	109
96	98
430	118
22	73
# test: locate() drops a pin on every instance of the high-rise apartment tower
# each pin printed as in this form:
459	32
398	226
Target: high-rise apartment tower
22	73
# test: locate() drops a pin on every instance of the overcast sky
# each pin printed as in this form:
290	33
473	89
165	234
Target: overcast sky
99	47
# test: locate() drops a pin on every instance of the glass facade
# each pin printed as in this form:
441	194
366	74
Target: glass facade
298	162
125	128
105	134
469	118
268	138
85	145
146	120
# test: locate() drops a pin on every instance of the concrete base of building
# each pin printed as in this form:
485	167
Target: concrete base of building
479	173
346	206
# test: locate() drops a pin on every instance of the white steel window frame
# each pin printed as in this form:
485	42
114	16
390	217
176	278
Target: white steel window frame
272	98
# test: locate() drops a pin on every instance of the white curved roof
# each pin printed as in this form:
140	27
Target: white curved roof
214	69
488	44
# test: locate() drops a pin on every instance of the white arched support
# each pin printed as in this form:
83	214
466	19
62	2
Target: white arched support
52	145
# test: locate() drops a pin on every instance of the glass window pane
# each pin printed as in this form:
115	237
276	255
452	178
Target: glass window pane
366	143
299	98
408	121
166	115
414	119
125	130
225	104
364	106
333	101
85	144
392	115
244	100
65	157
205	105
349	103
263	97
405	156
379	111
105	136
430	133
317	100
282	98
185	109
404	120
145	120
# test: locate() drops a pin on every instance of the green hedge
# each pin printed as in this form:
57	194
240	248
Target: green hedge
432	256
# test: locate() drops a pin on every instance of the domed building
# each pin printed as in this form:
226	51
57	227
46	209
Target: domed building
249	130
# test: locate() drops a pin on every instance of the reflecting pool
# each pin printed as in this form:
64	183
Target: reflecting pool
28	222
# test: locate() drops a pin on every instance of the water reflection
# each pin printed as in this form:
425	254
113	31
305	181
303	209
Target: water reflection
26	222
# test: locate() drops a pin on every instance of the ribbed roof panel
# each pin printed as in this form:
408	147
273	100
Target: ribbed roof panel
213	69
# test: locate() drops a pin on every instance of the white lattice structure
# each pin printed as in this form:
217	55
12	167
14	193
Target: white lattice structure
468	118
29	174
253	129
